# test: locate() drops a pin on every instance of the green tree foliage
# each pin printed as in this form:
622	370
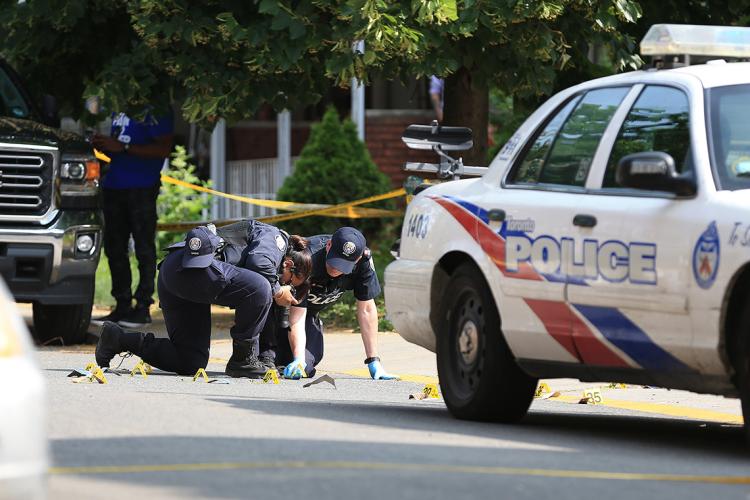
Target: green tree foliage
334	167
227	57
177	203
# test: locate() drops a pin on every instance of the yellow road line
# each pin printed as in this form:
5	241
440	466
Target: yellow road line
656	408
401	467
663	409
420	379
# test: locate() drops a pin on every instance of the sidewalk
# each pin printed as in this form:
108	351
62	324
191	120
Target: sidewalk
344	354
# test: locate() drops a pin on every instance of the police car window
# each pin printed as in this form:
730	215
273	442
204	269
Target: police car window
531	167
658	121
12	102
569	160
729	108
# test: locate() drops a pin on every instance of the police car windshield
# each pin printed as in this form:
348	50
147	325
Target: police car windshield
729	135
12	102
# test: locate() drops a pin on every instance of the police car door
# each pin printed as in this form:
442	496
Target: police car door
629	276
539	198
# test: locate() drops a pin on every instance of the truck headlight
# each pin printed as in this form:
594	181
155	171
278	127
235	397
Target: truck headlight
79	176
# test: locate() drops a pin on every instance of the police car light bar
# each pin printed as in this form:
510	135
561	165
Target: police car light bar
695	40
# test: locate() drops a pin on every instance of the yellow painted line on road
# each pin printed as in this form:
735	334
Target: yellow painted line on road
420	379
401	467
663	409
656	408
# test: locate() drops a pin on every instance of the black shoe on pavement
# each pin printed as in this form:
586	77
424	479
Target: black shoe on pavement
109	344
119	312
137	318
244	363
268	362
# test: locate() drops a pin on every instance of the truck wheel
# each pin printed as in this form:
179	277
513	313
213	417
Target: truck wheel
70	322
479	377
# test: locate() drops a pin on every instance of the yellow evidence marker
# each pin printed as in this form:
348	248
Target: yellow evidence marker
91	367
98	375
200	373
592	396
431	391
543	388
140	367
271	376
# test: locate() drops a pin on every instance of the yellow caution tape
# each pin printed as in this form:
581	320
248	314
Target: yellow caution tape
431	391
101	156
141	368
349	209
200	373
271	376
542	389
324	211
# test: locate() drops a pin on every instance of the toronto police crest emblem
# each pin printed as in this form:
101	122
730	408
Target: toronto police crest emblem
194	244
706	257
349	248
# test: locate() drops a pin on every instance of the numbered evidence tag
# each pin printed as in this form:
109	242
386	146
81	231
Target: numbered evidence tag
592	396
142	368
431	391
200	373
271	376
543	388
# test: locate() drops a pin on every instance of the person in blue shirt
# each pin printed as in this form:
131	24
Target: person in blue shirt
138	150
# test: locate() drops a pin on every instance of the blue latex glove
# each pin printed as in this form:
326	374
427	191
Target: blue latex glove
295	369
377	372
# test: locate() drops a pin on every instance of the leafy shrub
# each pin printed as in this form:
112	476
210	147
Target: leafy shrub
179	204
334	167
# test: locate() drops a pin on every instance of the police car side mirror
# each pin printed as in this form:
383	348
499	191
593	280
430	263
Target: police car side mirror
447	138
653	171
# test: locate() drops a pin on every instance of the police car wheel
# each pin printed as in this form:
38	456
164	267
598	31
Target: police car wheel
741	360
479	377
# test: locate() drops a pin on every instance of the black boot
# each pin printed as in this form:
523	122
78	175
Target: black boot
121	310
113	340
243	362
267	361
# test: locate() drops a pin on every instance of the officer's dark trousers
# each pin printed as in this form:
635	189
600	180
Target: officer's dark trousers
274	342
126	212
185	297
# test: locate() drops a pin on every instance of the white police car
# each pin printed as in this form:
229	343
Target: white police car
609	240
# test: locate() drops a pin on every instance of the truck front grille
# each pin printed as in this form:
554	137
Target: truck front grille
25	183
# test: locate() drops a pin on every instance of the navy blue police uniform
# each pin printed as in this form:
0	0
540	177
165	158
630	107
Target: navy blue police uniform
324	291
191	278
258	247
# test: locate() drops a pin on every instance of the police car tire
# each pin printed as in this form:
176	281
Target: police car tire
491	386
742	364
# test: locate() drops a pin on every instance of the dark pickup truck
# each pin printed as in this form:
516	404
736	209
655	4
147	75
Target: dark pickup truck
50	221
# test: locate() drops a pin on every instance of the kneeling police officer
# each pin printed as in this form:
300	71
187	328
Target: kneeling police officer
191	278
340	262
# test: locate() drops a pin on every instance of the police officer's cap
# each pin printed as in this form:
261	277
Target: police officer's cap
347	245
200	246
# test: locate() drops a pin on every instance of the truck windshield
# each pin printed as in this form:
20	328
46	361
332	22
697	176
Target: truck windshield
729	136
12	102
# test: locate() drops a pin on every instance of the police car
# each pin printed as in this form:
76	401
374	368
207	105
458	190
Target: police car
609	240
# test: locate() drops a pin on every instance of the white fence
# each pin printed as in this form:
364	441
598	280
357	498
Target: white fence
254	179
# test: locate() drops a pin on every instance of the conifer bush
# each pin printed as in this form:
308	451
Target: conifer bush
334	167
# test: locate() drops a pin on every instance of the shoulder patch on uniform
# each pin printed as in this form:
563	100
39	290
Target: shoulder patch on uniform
280	242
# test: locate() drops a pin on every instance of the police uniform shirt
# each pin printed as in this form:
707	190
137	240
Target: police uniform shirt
262	250
325	290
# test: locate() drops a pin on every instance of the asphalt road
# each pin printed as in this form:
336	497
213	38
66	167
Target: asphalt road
166	436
